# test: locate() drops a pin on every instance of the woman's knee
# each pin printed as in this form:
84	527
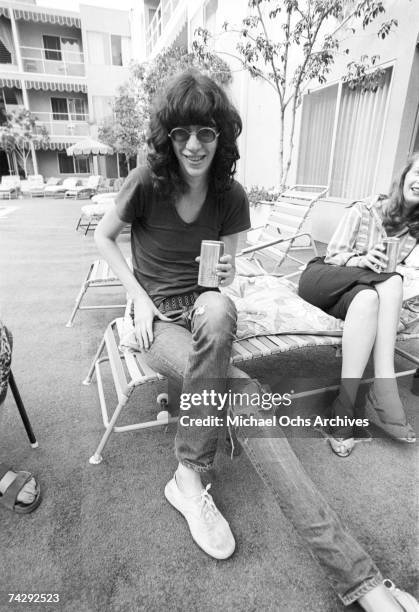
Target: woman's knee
365	303
393	286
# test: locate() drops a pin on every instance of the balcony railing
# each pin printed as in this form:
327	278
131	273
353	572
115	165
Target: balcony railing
63	124
161	17
53	61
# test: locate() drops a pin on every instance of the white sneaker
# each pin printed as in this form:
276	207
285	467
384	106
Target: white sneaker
208	527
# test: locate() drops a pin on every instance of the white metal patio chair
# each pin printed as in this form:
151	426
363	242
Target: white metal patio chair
10	186
99	275
129	372
58	190
33	186
284	233
85	191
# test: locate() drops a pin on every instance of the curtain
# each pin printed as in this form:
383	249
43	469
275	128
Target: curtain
99	48
126	50
7	38
360	127
318	113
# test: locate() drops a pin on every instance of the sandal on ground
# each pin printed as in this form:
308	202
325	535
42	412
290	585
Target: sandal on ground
9	500
340	446
400	431
406	601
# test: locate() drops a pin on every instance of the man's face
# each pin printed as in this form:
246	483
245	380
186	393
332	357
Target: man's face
194	155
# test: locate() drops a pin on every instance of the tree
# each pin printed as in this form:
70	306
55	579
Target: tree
126	129
177	59
290	43
18	135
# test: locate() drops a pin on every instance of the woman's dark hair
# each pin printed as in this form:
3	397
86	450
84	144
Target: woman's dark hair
192	98
396	217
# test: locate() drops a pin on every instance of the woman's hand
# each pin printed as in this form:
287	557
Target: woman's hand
375	259
144	314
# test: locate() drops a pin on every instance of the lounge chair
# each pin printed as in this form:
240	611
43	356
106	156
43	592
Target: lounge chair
91	214
105	186
58	190
10	186
86	190
129	372
99	275
285	231
33	186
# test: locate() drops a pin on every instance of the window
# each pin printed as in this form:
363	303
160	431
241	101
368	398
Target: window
76	109
7	51
5	55
52	47
317	120
64	109
65	163
10	96
116	46
341	130
73	165
59	109
108	50
71	50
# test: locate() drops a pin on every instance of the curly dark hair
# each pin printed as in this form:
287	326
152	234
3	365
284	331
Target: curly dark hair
395	216
192	98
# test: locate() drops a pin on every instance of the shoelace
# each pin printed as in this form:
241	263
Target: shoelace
208	509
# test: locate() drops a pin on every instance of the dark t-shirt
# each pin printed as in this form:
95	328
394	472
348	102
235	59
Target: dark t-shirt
164	246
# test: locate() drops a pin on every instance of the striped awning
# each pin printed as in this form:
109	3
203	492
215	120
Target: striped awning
56	86
47	17
11	83
4	12
60	145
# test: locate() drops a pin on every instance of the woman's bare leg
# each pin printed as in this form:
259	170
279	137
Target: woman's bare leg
390	294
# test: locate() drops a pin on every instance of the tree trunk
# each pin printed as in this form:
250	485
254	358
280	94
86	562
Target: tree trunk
282	177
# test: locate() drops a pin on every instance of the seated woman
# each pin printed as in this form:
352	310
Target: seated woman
350	283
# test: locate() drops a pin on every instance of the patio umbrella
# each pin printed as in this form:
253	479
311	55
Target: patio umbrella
88	146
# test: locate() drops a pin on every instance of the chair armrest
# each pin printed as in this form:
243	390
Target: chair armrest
265	245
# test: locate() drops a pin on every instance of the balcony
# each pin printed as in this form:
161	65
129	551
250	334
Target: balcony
52	61
159	23
64	124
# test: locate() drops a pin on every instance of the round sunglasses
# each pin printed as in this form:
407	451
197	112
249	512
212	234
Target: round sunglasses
203	134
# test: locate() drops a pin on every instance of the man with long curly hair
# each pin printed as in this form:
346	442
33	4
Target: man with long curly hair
185	195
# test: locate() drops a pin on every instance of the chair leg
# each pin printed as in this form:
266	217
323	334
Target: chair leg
90	373
79	298
77	304
22	411
96	458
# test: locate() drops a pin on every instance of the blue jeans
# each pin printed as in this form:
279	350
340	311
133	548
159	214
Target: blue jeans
194	352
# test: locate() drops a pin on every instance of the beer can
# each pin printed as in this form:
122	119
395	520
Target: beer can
392	252
211	251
